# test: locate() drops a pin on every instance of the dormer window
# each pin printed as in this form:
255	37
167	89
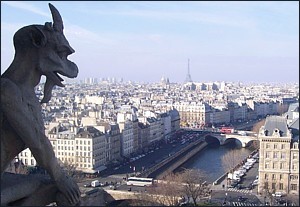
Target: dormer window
266	132
276	133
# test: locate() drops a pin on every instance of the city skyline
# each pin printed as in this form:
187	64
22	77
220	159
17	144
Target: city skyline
145	41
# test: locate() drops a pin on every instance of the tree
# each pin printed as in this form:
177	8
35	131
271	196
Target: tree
258	125
70	170
170	190
230	160
193	184
164	192
18	168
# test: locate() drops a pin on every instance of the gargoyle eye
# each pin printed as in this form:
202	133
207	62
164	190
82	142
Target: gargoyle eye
62	54
64	51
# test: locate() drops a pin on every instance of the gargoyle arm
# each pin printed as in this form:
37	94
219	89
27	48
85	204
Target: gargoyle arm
29	129
21	119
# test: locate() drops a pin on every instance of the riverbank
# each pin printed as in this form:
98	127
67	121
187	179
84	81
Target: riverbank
224	176
172	162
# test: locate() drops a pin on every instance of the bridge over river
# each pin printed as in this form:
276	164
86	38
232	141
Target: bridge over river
244	137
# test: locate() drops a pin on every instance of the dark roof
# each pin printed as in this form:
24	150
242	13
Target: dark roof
292	108
295	124
88	131
174	114
276	122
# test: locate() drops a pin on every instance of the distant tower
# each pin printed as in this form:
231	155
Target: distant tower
188	76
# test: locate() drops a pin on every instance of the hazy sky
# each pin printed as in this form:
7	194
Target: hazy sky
144	41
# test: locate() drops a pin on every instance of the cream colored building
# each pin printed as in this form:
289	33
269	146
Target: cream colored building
278	158
90	150
85	148
127	138
194	114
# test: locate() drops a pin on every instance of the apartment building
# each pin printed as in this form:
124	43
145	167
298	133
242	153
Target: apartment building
193	114
279	161
175	120
112	131
127	138
90	149
143	135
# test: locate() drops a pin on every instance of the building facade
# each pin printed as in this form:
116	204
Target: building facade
278	158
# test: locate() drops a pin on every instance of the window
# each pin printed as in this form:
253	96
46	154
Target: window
273	176
280	176
280	186
267	154
293	186
266	176
273	186
275	165
283	155
295	155
282	165
282	146
294	177
267	145
32	162
294	167
275	155
267	165
275	146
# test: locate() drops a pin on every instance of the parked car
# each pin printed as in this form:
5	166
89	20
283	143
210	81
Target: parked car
87	185
277	194
241	199
255	182
240	186
249	187
95	183
233	184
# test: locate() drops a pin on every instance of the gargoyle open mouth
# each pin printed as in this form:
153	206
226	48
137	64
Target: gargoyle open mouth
57	79
60	78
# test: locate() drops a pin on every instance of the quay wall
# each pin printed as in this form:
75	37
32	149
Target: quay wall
174	161
182	160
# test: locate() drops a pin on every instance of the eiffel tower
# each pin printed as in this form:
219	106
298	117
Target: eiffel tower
188	76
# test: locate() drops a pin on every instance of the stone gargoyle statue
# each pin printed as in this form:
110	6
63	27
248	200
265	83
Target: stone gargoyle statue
39	50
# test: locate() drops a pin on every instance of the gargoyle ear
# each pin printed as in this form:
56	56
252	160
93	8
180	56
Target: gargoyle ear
38	37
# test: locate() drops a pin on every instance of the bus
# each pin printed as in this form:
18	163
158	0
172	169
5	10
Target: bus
136	181
227	130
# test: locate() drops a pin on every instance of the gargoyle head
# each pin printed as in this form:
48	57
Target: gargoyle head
50	50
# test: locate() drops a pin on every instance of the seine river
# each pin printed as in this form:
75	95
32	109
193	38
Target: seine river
209	160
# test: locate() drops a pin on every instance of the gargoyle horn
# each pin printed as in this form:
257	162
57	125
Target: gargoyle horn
57	20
